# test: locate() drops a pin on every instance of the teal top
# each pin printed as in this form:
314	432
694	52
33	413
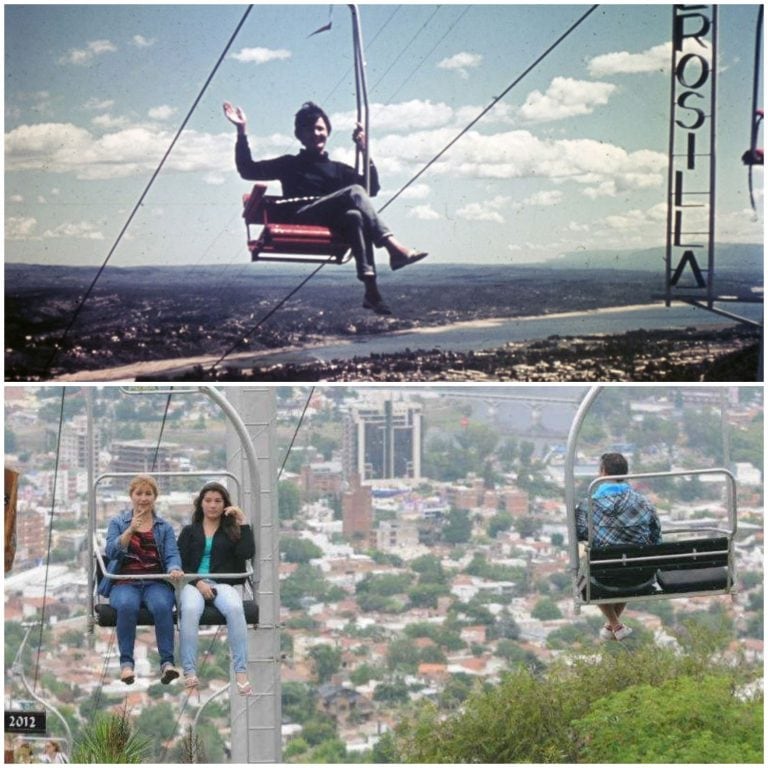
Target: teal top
205	563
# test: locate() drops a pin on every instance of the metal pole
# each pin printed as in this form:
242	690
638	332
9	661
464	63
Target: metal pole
570	482
670	170
91	472
712	164
362	92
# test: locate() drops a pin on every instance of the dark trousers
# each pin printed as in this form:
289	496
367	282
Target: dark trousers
351	213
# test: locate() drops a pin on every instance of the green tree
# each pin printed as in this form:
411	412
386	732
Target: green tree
327	661
403	656
394	692
299	550
458	527
298	701
157	723
545	610
430	569
530	716
319	729
501	522
685	720
426	595
288	499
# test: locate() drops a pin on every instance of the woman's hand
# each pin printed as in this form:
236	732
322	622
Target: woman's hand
236	116
359	137
205	589
237	513
176	574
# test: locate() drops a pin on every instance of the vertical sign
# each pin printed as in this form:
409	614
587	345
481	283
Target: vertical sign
690	257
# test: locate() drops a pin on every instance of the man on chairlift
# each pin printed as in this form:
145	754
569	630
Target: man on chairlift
338	198
620	515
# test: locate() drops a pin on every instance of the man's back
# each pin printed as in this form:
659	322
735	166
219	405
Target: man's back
620	515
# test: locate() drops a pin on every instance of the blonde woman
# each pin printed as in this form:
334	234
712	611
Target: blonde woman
139	542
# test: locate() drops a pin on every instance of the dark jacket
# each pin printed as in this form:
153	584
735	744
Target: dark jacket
227	556
116	553
301	175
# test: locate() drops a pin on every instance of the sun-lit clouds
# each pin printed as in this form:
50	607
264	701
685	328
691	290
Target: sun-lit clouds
98	105
565	97
545	198
423	213
163	112
81	230
64	148
486	210
20	227
260	55
403	116
109	122
461	63
143	42
655	59
79	56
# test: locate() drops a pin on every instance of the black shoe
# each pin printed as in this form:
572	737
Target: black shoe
398	262
377	305
169	673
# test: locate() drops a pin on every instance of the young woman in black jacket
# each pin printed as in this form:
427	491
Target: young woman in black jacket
217	541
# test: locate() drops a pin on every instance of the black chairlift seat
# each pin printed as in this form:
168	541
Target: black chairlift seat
670	569
282	240
106	615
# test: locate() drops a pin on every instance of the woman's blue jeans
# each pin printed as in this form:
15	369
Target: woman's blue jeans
230	604
159	598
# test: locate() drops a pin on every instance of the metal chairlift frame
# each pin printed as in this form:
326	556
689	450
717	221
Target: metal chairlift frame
210	616
280	238
17	668
580	565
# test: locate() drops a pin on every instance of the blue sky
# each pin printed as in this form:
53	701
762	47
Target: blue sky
574	158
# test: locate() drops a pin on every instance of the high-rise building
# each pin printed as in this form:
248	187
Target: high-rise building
382	441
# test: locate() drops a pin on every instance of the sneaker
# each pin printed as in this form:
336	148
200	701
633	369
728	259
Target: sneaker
621	631
168	673
606	633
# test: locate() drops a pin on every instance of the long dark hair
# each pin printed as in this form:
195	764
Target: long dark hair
228	523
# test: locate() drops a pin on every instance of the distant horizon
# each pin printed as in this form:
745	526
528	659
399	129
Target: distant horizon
276	266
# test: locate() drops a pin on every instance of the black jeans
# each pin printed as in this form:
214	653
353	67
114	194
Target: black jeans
351	213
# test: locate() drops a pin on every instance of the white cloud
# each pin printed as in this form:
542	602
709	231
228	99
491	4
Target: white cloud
461	62
20	227
260	55
565	98
16	199
417	192
82	230
98	105
655	60
143	42
87	54
163	112
545	198
477	212
108	122
487	210
423	213
65	148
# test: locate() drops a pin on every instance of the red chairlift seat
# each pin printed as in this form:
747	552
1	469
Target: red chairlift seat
282	240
